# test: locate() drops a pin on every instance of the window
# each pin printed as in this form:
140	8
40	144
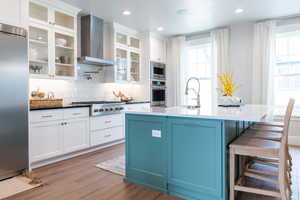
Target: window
287	68
198	63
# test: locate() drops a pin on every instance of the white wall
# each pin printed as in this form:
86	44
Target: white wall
241	45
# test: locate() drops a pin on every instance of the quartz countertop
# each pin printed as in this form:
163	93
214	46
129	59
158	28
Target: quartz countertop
248	112
62	107
83	105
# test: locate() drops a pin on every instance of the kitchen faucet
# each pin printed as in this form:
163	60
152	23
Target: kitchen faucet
196	92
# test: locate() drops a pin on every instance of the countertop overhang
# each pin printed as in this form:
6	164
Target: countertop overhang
248	112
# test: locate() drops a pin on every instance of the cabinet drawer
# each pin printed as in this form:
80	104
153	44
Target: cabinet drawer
107	135
46	115
76	113
104	122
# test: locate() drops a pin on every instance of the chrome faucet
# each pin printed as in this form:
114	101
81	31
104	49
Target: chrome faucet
187	89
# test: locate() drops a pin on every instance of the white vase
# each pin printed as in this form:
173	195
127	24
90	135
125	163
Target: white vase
230	100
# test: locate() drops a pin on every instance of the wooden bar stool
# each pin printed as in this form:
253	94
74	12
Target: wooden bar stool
273	130
273	153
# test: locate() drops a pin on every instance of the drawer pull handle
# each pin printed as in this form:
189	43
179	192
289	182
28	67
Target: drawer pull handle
47	116
106	136
107	122
76	114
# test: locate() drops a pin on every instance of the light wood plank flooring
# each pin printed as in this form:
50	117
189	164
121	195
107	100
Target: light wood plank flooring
78	178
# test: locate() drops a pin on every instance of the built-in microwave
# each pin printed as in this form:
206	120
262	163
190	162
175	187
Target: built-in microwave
158	70
158	93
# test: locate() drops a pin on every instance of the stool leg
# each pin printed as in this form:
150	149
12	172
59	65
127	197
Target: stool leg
232	174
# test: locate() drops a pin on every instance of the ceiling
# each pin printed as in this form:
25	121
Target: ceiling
147	15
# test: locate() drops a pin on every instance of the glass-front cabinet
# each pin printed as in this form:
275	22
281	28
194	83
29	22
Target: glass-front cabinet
127	57
52	40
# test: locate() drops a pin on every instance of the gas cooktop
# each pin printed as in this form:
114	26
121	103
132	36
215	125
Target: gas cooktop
103	107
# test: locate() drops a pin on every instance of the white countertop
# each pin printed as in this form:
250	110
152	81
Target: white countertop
249	112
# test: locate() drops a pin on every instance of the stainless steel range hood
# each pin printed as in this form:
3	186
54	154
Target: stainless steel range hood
92	45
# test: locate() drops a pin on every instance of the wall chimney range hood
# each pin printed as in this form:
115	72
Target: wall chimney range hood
92	42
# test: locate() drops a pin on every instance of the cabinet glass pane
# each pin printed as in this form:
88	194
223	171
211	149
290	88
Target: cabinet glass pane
38	12
135	66
122	64
135	43
38	51
64	20
64	55
121	39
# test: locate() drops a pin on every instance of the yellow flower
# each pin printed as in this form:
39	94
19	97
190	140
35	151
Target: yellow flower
228	85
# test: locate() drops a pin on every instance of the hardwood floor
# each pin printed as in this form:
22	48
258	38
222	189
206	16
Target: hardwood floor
78	178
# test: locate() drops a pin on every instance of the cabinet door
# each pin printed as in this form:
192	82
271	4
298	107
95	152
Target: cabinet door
146	162
134	68
39	50
76	135
39	13
45	140
122	59
65	57
157	50
10	12
195	157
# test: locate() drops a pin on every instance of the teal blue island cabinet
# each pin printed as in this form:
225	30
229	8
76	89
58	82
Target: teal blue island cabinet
181	156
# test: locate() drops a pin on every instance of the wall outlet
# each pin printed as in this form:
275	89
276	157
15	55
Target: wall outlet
156	133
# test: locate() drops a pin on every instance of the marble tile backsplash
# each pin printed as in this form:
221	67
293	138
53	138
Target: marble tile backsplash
88	90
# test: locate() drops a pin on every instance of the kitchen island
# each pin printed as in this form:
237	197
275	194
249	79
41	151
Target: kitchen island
184	152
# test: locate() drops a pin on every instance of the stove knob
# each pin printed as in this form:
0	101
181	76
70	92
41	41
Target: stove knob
111	109
121	108
106	109
96	110
101	110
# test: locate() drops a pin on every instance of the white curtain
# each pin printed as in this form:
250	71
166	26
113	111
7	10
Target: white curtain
175	54
220	57
263	60
220	41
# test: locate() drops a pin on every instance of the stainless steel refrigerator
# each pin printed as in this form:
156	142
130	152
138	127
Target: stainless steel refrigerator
13	101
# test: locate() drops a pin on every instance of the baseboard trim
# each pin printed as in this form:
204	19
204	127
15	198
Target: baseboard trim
294	140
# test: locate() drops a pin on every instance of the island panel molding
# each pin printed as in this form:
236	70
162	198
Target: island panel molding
189	160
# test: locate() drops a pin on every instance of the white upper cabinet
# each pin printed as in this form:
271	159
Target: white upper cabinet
52	39
158	49
127	54
14	12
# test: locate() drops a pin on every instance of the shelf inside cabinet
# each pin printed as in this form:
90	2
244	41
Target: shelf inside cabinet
38	61
64	65
64	47
38	42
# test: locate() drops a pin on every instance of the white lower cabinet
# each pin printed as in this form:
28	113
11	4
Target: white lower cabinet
107	135
46	140
57	132
107	128
76	135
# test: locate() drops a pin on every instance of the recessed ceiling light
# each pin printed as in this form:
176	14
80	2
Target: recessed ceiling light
239	10
126	12
183	12
160	28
